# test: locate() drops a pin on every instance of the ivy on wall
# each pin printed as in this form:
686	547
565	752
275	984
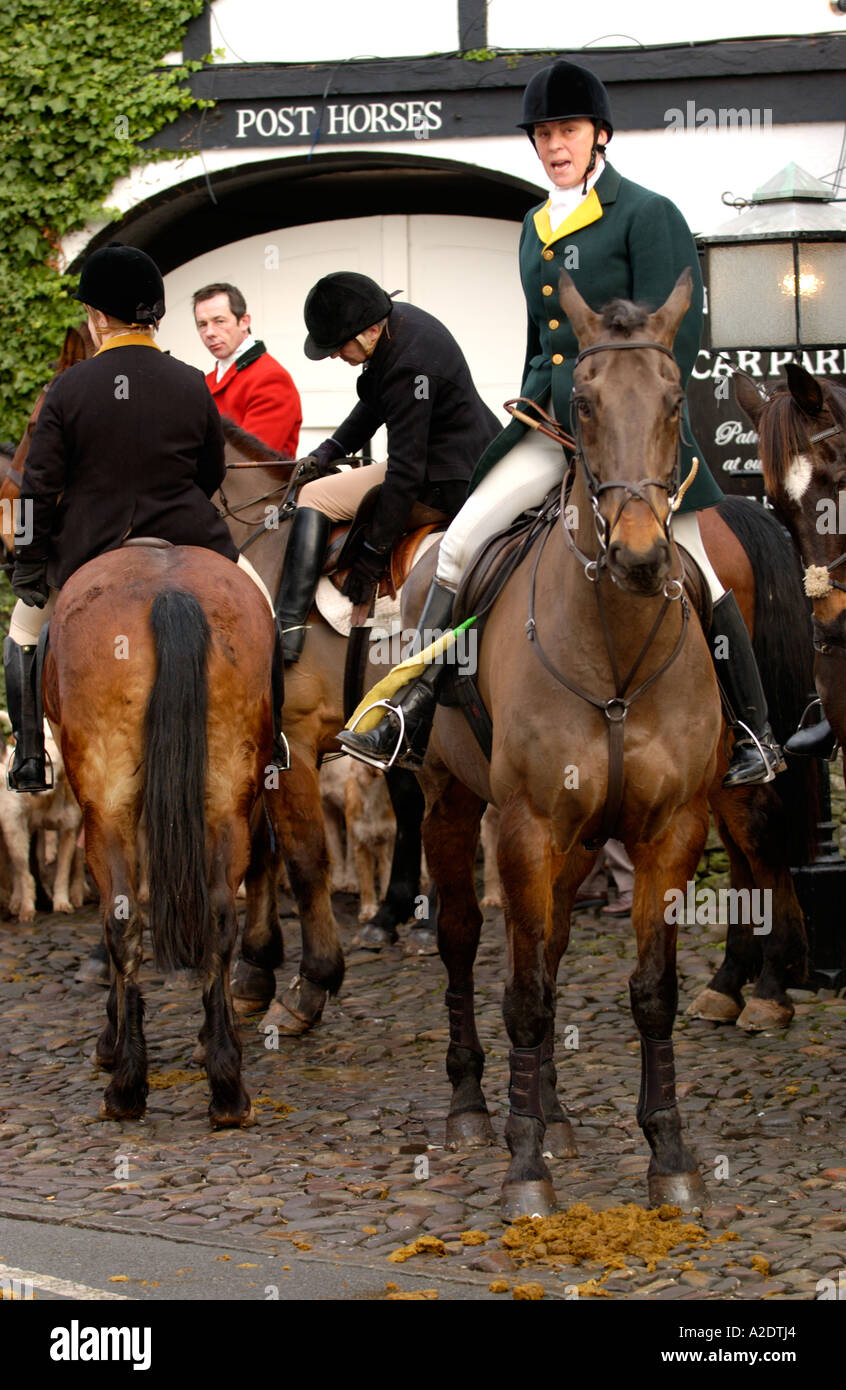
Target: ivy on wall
83	87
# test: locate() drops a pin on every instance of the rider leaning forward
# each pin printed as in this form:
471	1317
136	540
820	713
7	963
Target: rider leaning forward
127	444
415	381
629	243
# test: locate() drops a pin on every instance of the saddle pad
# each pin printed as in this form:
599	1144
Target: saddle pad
337	610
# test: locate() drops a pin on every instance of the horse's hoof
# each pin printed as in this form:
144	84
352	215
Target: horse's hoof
299	1009
685	1190
109	1111
535	1198
715	1007
93	971
472	1129
422	941
253	987
242	1121
104	1060
374	937
559	1140
762	1015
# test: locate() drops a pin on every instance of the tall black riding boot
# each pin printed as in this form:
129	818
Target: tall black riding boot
404	738
812	740
756	756
300	574
27	772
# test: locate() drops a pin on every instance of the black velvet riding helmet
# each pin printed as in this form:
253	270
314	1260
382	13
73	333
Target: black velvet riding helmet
564	91
338	307
123	282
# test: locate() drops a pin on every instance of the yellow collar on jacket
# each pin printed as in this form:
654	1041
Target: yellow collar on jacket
127	340
588	211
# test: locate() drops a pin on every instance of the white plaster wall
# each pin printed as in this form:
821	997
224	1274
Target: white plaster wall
279	31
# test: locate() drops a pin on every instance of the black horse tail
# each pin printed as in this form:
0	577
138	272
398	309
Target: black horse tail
784	652
175	781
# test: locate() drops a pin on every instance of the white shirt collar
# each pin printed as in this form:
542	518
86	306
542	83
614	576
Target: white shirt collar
224	363
564	201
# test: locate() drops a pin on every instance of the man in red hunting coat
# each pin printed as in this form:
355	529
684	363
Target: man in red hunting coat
249	386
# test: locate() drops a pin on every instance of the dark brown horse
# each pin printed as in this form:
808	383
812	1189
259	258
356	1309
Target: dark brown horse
158	673
549	774
802	433
312	716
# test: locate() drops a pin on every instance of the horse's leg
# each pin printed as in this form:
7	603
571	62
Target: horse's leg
773	927
398	906
297	817
527	868
721	1001
451	832
262	947
230	1104
667	863
559	1140
121	1044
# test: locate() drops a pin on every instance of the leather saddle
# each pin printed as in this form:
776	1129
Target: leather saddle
346	539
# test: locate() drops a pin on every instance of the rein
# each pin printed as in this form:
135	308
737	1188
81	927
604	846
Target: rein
615	708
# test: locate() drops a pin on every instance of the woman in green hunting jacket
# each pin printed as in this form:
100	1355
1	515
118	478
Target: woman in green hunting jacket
617	240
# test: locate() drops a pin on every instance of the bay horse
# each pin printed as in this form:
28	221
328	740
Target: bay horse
157	681
600	600
313	714
802	439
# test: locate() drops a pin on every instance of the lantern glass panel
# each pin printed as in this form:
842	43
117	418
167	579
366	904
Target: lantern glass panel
822	291
750	295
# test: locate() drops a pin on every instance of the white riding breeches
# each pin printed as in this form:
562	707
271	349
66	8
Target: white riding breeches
26	622
521	480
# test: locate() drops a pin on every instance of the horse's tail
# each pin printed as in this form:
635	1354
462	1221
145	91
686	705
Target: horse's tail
784	652
175	781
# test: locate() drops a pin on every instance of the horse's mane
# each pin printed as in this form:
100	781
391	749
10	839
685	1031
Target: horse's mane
783	428
621	316
254	449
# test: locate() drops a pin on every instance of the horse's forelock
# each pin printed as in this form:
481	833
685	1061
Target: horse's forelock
782	434
621	316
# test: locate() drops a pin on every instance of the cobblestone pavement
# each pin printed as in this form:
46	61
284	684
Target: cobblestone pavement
347	1159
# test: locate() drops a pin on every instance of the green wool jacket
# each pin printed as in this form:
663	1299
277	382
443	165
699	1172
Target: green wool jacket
636	250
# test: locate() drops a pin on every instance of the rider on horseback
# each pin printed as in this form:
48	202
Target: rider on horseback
416	382
632	244
128	443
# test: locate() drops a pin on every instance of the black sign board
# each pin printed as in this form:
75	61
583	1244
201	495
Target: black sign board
722	431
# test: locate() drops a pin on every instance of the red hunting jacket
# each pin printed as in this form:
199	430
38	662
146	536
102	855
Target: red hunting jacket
260	396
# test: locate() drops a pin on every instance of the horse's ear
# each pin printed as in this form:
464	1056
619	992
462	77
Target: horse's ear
748	396
665	321
73	349
805	389
586	324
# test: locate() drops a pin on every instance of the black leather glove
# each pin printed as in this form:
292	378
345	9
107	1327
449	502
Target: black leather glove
29	582
322	462
365	574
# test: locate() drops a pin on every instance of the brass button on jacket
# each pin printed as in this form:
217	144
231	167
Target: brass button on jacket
546	289
553	323
548	255
557	359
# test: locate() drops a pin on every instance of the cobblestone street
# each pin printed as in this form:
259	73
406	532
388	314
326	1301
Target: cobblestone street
347	1158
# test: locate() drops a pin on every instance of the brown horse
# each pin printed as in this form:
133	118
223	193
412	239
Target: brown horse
159	673
313	714
802	432
599	608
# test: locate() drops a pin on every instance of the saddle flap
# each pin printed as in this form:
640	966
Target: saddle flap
696	587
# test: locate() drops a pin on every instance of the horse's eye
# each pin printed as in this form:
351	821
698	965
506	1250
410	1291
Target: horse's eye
675	410
583	407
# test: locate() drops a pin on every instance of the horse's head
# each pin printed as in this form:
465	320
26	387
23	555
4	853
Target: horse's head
802	440
626	412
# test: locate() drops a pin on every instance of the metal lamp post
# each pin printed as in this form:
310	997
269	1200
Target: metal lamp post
776	276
